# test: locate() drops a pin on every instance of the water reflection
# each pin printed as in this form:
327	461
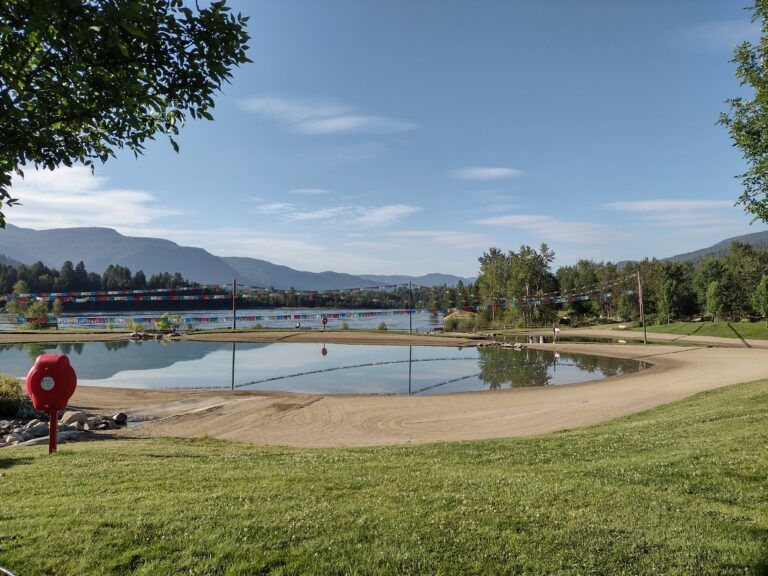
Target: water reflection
316	368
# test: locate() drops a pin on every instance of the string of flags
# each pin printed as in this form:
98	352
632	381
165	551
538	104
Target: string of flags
564	299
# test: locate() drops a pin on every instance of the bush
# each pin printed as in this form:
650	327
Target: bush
168	322
12	396
467	325
345	325
382	326
132	326
450	324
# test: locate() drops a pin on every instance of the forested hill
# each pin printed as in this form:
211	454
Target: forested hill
4	260
758	240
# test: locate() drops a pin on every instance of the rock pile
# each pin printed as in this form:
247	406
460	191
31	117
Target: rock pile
20	430
496	344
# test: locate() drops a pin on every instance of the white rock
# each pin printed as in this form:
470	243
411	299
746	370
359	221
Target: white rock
72	416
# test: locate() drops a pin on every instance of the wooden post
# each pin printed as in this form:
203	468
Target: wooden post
410	309
232	383
642	310
234	304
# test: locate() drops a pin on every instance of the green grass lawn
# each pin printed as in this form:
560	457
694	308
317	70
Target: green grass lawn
682	489
756	330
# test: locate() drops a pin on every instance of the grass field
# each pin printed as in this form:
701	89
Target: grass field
682	489
756	330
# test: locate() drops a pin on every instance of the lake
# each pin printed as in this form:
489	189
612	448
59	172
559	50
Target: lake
364	319
316	368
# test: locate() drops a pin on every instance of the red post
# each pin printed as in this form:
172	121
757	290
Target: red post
53	428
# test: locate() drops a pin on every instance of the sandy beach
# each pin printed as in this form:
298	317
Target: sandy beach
327	420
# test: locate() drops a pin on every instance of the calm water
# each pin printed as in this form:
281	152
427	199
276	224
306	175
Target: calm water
316	368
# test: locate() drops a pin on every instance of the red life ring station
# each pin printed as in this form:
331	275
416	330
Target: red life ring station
50	384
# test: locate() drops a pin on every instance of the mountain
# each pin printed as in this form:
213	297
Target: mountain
8	261
757	239
265	274
100	247
432	279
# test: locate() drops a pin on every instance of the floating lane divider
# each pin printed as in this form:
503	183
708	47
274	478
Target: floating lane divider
138	295
64	321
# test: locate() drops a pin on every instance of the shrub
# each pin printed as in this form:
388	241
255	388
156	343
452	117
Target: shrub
168	322
382	326
450	324
12	396
467	325
132	326
345	325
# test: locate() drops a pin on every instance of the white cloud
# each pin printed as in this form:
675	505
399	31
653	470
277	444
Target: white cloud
310	191
71	197
547	228
448	238
682	212
386	215
322	117
286	248
484	173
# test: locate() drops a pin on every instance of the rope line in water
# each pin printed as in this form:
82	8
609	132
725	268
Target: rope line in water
336	368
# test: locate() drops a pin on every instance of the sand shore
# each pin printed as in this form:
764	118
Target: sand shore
319	421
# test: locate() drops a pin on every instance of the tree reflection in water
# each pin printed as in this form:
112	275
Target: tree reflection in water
518	369
502	367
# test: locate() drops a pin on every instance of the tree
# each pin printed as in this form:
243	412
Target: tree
666	302
17	306
748	117
80	79
760	299
715	299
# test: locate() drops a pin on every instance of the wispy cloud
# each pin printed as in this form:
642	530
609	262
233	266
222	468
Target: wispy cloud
384	215
720	35
71	197
448	238
323	117
681	212
485	173
368	216
548	228
310	191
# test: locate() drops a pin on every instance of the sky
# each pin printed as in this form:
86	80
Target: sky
391	136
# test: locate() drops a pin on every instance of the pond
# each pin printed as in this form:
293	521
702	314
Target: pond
316	368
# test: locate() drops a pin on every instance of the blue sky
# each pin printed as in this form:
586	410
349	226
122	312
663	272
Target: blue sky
407	137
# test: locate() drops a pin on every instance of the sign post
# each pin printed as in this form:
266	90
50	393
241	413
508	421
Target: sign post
325	321
50	384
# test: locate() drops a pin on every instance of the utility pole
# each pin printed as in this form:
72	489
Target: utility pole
234	304
642	310
410	309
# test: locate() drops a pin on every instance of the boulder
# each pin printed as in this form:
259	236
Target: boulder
120	419
39	429
73	416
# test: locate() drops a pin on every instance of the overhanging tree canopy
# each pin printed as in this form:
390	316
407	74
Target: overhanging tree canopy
747	120
80	79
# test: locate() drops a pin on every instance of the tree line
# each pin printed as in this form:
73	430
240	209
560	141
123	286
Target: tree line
732	287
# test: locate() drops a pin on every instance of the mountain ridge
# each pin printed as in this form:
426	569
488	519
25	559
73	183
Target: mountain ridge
99	247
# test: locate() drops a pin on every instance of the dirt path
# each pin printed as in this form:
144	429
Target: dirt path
311	420
653	337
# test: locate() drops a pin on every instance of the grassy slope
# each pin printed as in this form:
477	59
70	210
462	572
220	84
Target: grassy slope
756	330
678	490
